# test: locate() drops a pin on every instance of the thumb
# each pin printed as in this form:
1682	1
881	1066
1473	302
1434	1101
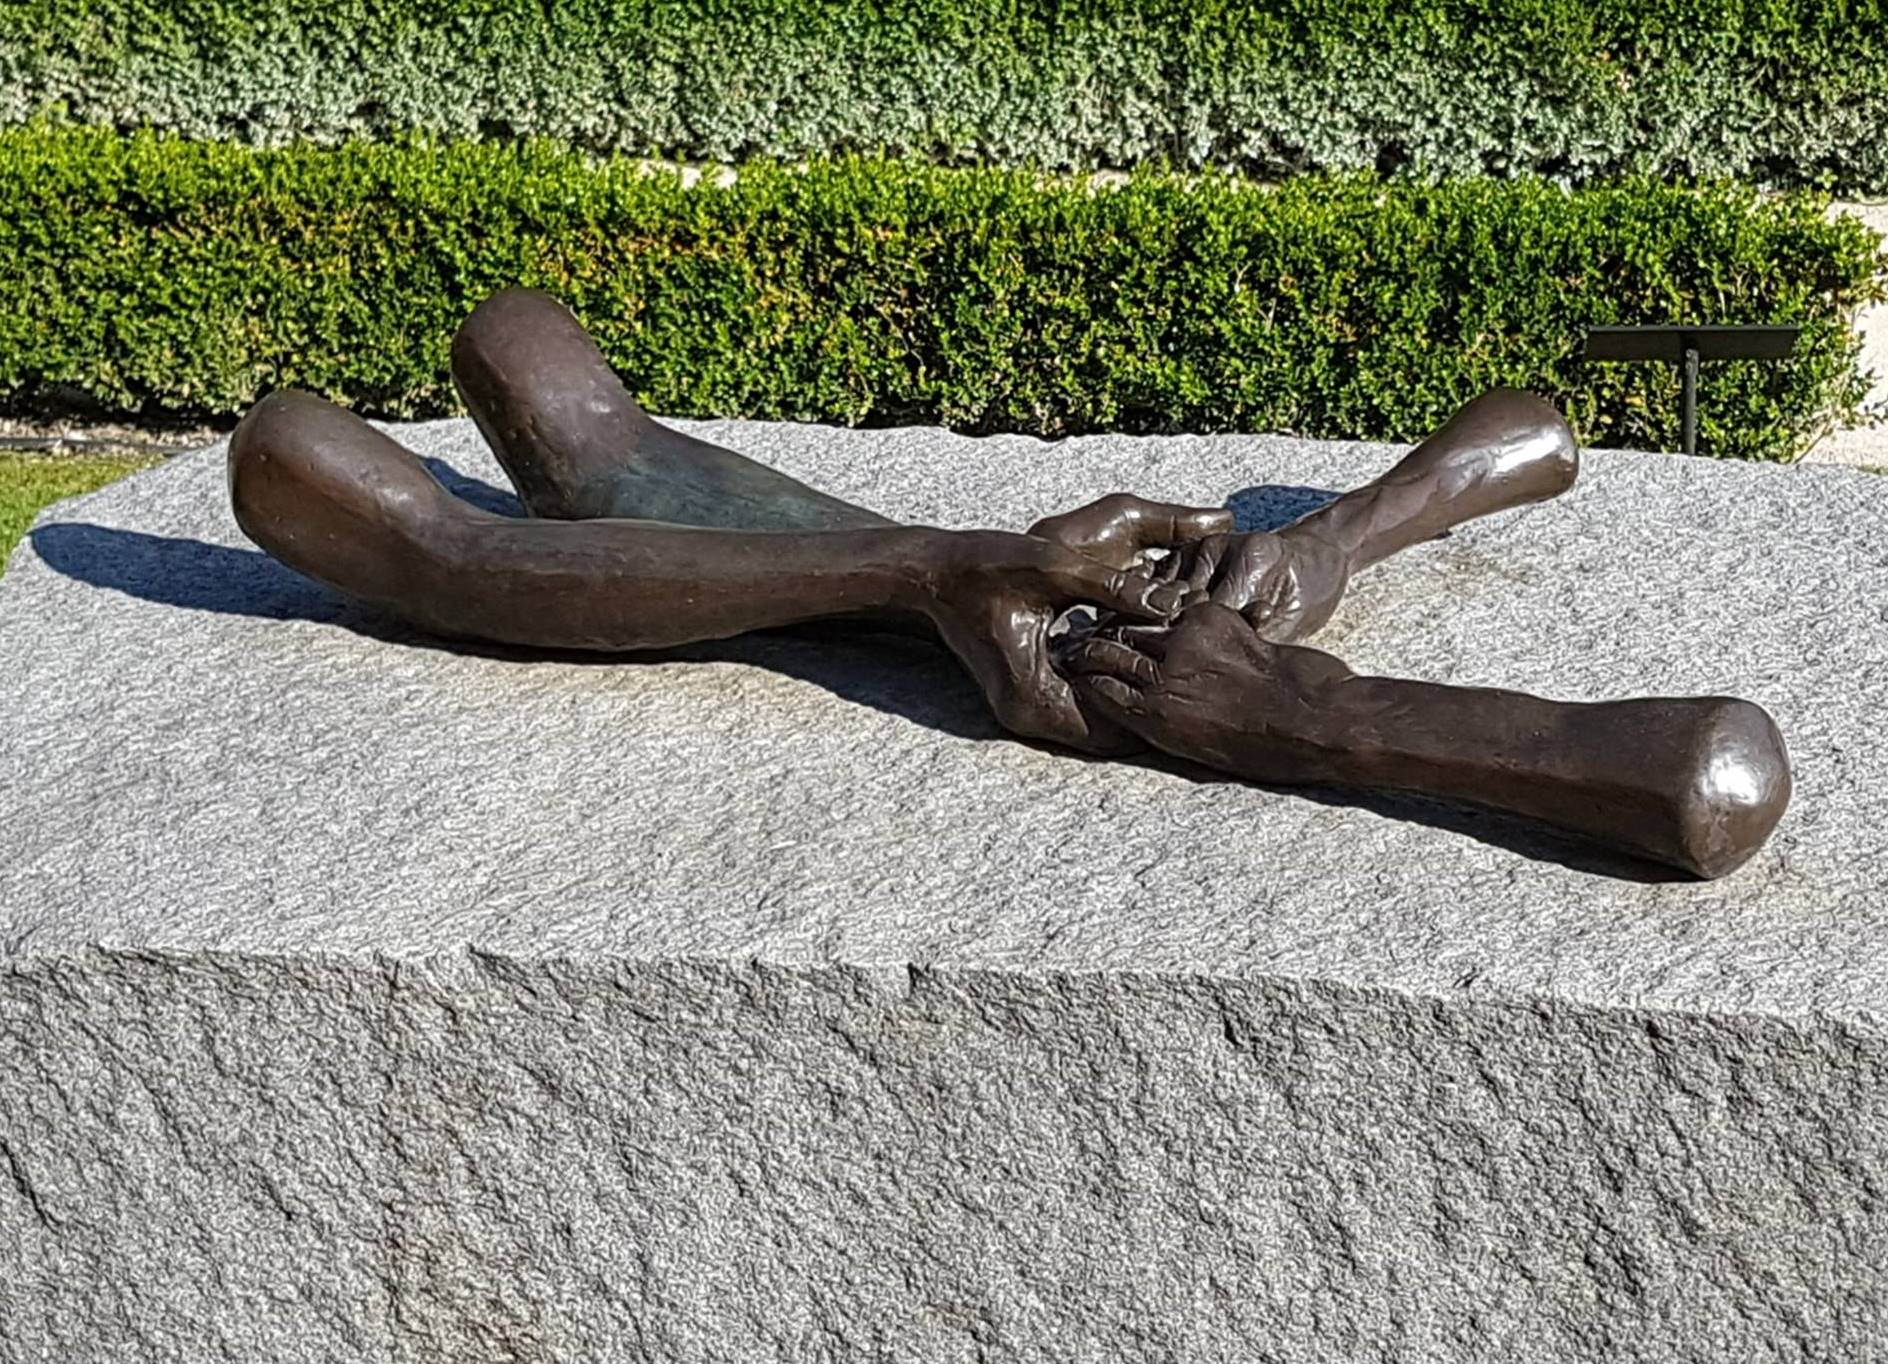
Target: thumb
1162	525
1118	527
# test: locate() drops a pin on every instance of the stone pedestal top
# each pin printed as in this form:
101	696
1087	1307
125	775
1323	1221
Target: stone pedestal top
207	753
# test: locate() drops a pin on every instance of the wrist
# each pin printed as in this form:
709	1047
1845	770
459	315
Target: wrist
928	559
1339	527
1297	727
1319	727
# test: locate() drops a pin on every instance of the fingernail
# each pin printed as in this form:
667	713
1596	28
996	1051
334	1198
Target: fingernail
1166	597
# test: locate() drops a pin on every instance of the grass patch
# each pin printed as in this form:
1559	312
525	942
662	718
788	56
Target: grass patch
30	482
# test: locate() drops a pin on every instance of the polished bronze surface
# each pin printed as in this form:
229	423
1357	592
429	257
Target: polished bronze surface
640	538
331	497
577	446
1504	449
1694	782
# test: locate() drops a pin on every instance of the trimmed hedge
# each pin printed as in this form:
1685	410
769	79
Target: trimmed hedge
1776	92
168	276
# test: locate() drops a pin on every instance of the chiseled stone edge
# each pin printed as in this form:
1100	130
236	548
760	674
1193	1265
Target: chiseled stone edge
210	1156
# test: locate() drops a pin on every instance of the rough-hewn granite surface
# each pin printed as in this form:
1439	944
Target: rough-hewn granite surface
361	999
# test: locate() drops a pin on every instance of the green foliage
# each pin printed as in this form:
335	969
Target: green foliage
1776	92
29	483
164	275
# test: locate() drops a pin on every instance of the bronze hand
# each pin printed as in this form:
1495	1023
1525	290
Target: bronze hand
1502	450
1693	782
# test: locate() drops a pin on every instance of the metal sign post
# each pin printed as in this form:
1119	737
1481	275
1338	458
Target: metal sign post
1687	347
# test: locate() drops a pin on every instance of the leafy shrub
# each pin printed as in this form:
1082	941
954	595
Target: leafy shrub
163	275
1777	92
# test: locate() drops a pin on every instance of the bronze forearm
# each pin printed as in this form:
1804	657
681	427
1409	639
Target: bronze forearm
1693	782
577	445
331	497
1503	450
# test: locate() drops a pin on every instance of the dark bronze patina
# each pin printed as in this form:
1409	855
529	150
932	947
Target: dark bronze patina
640	537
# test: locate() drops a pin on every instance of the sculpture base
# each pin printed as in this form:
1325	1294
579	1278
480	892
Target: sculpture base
364	998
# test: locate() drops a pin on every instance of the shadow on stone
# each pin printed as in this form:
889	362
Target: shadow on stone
908	677
474	490
185	573
1273	506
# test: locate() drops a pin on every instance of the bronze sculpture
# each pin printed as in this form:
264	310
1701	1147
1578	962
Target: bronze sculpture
640	537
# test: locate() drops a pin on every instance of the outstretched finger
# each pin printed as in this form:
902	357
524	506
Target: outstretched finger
1116	700
1119	528
1163	525
1151	640
1098	656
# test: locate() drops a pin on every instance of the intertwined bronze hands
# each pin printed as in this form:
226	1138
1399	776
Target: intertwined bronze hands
640	537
